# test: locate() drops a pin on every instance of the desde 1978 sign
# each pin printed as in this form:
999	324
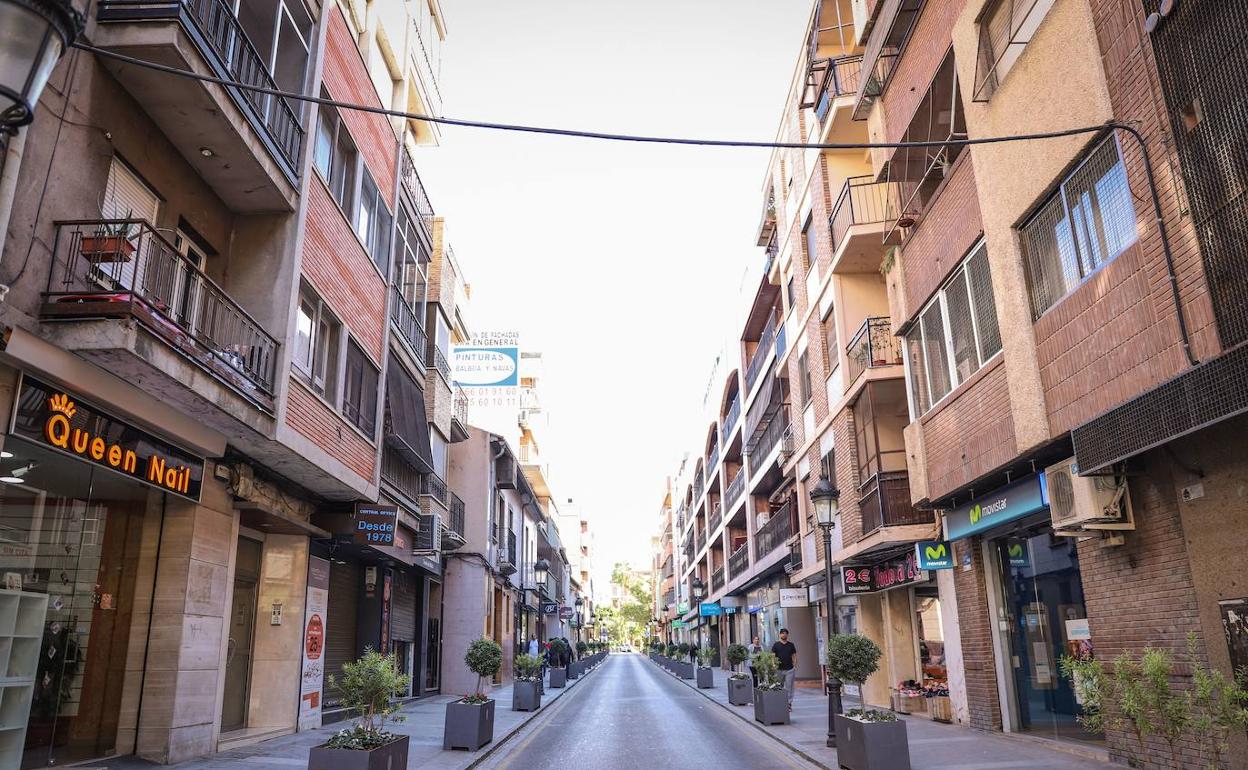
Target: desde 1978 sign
375	524
53	417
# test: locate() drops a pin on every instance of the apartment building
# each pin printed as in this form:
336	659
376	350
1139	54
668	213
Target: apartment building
232	493
664	568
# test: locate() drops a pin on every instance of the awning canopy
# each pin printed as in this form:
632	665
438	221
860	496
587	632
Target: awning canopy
407	428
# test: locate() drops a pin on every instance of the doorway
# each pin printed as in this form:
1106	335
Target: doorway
242	632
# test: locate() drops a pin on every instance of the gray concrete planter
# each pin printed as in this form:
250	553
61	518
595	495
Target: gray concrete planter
871	745
685	670
526	696
468	725
739	691
392	756
706	678
574	670
771	707
558	677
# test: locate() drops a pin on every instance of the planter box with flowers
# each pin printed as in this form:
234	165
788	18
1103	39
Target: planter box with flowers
739	684
470	720
909	698
866	739
367	686
771	702
706	675
109	243
526	686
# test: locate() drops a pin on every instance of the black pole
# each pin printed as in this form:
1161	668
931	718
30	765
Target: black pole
834	684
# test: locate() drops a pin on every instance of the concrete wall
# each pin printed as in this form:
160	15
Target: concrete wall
466	598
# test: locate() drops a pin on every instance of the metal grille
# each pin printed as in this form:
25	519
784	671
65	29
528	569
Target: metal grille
1207	394
1089	220
961	327
1202	55
934	352
980	278
918	370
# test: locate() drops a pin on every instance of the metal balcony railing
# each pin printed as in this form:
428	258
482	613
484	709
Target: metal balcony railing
757	450
416	188
775	532
739	561
863	201
770	253
400	474
765	342
231	54
407	322
832	78
735	488
794	563
733	415
885	502
507	551
717	518
456	521
699	539
433	487
669	598
460	404
125	268
717	579
871	346
438	359
712	460
699	484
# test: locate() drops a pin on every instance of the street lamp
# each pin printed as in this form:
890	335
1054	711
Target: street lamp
698	589
41	31
825	498
580	613
541	569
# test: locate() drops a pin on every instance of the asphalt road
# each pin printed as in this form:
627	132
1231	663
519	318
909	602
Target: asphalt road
631	715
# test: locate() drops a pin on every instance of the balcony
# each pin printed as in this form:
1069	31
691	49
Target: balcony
861	224
831	79
254	139
717	518
401	475
437	360
767	224
126	270
415	189
873	346
700	539
669	599
759	449
735	488
759	358
717	579
712	460
739	561
775	532
459	413
794	562
885	502
453	532
733	416
507	554
408	323
698	485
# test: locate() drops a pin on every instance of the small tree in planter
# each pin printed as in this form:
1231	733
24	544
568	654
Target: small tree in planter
526	689
558	673
470	720
739	686
867	739
706	675
367	686
771	702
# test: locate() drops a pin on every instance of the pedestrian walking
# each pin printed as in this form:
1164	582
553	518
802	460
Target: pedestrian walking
567	651
533	646
756	647
786	652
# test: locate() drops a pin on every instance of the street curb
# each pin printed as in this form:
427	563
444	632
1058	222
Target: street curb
800	752
498	743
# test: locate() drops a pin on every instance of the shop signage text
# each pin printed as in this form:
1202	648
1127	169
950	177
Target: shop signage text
375	524
565	613
934	554
794	597
1019	499
682	608
881	577
679	624
52	417
709	609
313	679
549	608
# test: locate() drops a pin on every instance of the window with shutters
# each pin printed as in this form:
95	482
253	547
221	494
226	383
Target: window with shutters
315	347
359	390
954	335
1005	29
1089	221
804	389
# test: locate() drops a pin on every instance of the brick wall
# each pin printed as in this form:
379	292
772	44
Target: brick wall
929	42
943	236
971	432
315	421
975	622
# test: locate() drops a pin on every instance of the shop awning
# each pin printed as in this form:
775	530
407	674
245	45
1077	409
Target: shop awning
407	428
885	543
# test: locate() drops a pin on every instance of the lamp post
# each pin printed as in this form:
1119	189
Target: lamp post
541	569
580	616
698	589
825	498
47	27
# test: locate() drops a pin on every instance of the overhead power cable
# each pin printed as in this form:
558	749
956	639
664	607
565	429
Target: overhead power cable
580	134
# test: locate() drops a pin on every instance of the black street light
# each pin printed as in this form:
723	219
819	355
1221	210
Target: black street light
580	616
541	570
698	589
41	31
825	497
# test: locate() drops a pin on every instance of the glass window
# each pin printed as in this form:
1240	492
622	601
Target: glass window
303	334
1088	221
831	343
323	153
1005	29
372	222
804	391
410	259
359	392
315	352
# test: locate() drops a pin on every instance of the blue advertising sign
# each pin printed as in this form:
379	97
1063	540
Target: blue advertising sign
709	609
934	554
480	366
1019	499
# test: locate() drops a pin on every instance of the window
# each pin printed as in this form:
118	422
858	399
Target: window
1005	29
831	343
410	260
359	390
439	445
811	236
315	349
338	161
1087	222
804	391
372	223
954	335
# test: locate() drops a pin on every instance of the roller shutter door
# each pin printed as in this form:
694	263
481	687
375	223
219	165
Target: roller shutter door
340	646
403	607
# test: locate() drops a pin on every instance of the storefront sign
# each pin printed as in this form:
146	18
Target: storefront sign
709	610
549	608
1016	551
682	608
52	417
729	610
1020	499
310	686
375	524
679	624
881	577
857	580
565	613
934	554
794	597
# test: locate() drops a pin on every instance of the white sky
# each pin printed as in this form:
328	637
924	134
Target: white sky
621	263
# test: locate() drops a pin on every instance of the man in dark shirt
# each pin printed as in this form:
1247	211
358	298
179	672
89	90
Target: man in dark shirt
786	652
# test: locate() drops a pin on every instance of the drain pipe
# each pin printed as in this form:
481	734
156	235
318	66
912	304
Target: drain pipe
1184	335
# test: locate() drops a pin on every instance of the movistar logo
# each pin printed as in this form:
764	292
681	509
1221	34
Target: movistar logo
975	514
1016	550
978	512
936	552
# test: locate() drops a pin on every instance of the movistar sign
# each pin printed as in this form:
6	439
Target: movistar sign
934	554
1019	499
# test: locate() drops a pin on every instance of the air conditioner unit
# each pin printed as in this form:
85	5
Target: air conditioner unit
429	536
1080	503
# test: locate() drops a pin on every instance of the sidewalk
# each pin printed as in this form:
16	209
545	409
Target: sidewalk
933	746
424	723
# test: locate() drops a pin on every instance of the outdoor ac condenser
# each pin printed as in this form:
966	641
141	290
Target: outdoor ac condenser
1079	503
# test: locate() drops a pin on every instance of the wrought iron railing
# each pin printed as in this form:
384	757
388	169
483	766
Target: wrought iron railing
717	518
775	532
438	359
765	342
795	557
735	488
733	415
400	474
231	54
863	201
833	78
460	405
873	345
739	561
669	598
717	579
758	449
712	460
432	486
407	322
884	501
699	484
700	539
507	552
416	189
456	521
125	268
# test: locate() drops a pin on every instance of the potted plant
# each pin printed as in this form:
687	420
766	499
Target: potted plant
526	685
771	702
470	720
558	674
367	686
739	685
706	675
867	739
683	664
109	243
